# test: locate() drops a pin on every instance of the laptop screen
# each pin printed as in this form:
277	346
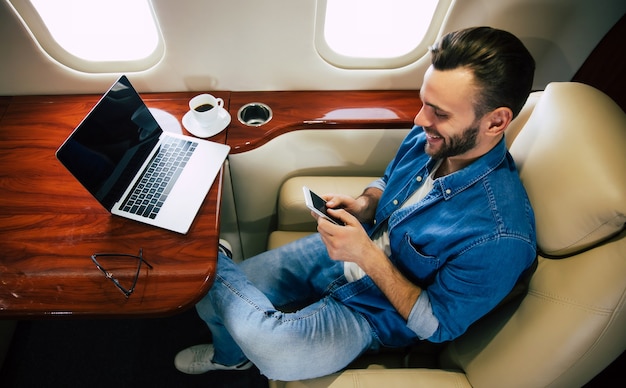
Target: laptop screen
109	146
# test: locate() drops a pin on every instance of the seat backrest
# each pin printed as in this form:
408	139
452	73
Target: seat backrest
571	154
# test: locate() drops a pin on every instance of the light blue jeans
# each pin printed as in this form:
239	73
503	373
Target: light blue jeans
243	312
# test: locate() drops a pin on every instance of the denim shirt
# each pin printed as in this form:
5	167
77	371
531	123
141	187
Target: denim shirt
465	244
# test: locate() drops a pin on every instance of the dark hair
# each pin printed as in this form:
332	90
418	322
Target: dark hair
503	68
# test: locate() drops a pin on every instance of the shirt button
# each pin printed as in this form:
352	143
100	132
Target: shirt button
374	222
395	202
448	191
419	178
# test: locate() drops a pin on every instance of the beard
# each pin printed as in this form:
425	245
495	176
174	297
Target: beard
455	145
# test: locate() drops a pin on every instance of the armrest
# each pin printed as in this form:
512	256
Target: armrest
293	215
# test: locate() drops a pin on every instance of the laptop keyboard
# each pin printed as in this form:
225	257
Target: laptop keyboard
155	184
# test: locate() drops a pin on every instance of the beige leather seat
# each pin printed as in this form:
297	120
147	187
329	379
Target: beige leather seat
570	147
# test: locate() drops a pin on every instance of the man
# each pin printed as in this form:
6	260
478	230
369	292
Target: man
425	251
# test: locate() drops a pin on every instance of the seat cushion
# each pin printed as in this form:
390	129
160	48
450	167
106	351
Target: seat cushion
282	237
293	215
571	159
515	127
376	378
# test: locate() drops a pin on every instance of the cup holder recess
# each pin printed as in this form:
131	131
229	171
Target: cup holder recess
254	114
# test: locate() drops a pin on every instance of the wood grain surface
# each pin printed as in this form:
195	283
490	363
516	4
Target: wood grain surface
50	225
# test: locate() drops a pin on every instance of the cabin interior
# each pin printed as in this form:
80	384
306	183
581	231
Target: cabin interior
326	114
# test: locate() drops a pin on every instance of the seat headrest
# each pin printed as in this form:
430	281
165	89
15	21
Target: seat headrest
522	118
571	154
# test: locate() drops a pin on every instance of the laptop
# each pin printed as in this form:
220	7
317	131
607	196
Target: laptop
122	156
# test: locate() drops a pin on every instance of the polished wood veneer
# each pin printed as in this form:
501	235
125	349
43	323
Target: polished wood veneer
50	225
301	110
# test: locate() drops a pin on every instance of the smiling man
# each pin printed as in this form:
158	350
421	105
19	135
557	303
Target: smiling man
426	250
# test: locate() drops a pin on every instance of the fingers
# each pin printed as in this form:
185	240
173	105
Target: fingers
343	242
342	216
335	201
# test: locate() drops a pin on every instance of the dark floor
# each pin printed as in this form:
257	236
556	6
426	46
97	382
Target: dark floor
612	376
136	353
112	353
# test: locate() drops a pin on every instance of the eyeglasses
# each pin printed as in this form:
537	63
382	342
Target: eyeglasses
109	275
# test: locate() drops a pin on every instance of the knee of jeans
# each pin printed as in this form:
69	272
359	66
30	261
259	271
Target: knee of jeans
289	355
285	365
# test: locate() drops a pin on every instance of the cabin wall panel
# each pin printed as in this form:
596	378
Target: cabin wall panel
240	45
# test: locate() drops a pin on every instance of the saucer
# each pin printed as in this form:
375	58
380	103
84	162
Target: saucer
222	121
168	122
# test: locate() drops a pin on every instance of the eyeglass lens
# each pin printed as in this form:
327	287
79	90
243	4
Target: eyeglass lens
122	269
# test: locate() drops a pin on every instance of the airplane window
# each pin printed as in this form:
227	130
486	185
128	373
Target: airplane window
375	34
94	35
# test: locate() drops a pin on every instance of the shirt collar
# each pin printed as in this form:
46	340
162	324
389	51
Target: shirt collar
458	181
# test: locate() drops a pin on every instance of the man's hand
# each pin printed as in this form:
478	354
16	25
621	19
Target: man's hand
351	243
348	242
363	207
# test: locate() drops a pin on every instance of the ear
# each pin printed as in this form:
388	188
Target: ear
498	120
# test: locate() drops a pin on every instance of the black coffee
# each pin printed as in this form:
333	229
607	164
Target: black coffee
203	107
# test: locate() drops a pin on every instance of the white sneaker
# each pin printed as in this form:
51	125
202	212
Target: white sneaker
225	248
197	359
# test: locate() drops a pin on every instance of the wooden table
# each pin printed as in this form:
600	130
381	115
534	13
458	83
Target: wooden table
50	225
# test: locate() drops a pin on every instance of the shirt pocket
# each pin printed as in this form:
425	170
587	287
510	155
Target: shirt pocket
414	263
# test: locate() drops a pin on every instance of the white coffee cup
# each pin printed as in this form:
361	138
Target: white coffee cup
205	108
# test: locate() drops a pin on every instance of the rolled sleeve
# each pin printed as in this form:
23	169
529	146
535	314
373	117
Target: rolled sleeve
421	320
378	184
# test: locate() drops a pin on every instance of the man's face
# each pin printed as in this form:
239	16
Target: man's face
448	115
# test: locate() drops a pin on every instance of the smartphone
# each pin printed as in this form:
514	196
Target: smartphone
318	205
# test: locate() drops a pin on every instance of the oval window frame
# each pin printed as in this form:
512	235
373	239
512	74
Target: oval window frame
40	34
352	62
